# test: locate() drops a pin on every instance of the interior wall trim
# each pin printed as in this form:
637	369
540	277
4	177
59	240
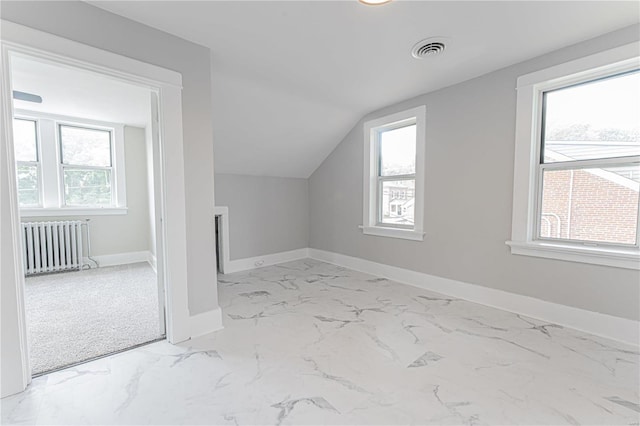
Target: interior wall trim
265	260
206	322
119	258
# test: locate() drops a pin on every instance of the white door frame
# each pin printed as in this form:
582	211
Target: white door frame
20	40
223	237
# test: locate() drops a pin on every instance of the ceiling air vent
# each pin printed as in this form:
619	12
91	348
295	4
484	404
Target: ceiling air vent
427	48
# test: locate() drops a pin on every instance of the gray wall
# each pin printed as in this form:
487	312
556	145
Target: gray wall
468	197
117	234
87	24
266	214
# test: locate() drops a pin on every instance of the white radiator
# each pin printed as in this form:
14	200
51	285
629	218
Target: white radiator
52	246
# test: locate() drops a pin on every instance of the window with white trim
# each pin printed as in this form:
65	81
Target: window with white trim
27	162
86	166
577	171
394	175
68	166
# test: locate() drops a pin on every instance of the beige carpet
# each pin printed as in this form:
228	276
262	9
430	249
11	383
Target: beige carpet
75	316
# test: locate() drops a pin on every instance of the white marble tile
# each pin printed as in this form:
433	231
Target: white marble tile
312	343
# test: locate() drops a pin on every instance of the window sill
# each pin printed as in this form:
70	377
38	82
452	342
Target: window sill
54	212
405	234
619	258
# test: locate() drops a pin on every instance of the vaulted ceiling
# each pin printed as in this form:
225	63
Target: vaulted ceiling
291	78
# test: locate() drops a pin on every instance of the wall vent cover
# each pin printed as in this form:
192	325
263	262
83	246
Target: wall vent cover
427	48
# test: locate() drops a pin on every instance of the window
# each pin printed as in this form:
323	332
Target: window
397	171
393	175
68	166
590	143
25	138
86	166
577	171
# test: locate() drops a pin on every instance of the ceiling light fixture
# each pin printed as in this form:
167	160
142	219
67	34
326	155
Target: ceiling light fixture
374	2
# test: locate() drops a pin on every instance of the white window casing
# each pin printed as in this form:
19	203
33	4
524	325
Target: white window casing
527	171
51	184
371	225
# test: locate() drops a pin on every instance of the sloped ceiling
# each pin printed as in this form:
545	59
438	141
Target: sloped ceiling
291	78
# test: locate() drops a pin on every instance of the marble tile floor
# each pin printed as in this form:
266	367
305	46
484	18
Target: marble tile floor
306	342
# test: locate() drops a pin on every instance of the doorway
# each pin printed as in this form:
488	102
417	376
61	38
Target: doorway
84	146
171	261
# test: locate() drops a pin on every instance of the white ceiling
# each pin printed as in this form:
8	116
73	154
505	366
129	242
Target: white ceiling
291	78
78	93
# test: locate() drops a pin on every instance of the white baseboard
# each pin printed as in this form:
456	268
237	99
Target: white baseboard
266	260
206	322
120	258
153	261
608	326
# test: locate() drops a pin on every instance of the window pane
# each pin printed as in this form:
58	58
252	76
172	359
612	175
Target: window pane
85	147
28	194
398	202
593	120
87	187
599	205
398	151
24	140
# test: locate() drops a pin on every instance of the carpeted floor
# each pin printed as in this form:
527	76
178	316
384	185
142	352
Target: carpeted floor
75	316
